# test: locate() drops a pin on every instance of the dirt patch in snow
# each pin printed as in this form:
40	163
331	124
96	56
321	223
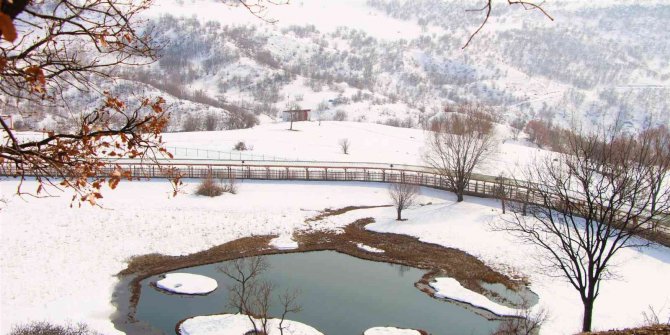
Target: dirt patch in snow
333	212
399	249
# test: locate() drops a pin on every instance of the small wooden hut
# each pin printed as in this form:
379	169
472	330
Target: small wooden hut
297	115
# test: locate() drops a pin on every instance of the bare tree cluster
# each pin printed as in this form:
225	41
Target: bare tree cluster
517	125
459	142
596	198
252	296
403	196
45	328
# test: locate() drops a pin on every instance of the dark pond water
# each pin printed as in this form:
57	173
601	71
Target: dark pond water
340	295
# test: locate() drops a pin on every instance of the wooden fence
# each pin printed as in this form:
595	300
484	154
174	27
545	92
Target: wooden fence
479	185
482	186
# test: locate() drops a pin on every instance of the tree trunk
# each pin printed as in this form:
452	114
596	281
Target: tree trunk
399	212
588	314
459	196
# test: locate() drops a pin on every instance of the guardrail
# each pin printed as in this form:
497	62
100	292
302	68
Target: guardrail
479	185
197	153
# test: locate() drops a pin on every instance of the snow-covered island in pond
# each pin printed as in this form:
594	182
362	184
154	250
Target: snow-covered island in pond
187	283
239	324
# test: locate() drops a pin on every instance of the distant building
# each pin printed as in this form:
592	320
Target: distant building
296	115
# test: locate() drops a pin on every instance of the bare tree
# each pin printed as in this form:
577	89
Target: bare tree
500	191
403	196
252	296
259	8
345	144
259	304
244	272
488	9
657	140
653	317
517	126
291	119
211	121
590	203
459	143
288	301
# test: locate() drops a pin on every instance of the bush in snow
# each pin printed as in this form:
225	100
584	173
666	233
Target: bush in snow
240	146
340	115
210	187
45	328
229	186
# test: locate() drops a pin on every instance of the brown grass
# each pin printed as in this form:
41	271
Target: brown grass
333	212
651	330
209	187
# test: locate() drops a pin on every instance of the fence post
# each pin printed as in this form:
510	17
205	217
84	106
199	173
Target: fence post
525	202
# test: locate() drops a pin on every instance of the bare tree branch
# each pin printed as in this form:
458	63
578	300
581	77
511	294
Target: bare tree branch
488	8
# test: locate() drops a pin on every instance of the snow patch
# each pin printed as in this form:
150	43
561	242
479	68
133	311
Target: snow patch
369	248
450	288
239	324
284	242
390	331
187	283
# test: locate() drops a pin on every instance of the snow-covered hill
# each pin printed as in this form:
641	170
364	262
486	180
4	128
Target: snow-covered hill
399	61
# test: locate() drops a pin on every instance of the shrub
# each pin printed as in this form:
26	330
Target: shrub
45	328
345	144
210	187
230	186
240	146
340	115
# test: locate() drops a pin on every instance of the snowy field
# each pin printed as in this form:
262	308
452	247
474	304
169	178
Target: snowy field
369	143
59	263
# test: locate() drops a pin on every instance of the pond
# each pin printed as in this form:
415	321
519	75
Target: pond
339	295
